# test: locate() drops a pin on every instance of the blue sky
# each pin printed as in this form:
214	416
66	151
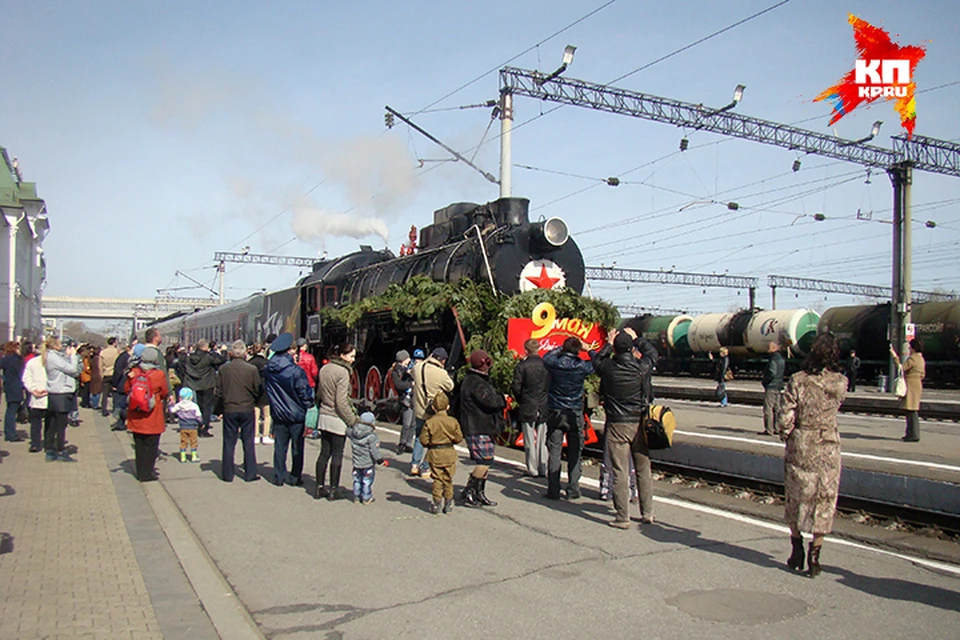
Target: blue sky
159	133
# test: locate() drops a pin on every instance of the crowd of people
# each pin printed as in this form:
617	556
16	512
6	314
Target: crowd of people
266	393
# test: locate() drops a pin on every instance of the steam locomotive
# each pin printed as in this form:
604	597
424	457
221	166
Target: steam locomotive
494	242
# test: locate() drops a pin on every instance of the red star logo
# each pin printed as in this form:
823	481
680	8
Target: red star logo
543	281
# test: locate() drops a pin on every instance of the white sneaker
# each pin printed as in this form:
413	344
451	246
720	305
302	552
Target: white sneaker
267	440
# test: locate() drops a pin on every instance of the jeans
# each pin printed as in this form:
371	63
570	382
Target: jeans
722	393
560	424
240	423
10	420
37	417
535	447
625	441
287	435
408	431
418	450
363	483
119	409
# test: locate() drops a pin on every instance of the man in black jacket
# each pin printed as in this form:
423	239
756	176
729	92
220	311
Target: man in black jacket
529	388
565	414
201	376
772	386
402	377
239	384
119	397
625	389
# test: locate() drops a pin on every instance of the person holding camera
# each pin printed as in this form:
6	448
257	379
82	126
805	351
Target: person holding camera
63	368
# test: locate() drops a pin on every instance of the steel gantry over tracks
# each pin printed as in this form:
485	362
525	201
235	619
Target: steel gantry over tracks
134	309
675	277
919	152
850	288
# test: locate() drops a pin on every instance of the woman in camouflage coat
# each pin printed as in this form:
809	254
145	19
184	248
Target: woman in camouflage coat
807	422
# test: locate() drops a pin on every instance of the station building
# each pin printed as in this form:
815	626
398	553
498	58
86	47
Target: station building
22	266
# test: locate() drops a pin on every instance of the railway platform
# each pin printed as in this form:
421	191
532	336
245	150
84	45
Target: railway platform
200	558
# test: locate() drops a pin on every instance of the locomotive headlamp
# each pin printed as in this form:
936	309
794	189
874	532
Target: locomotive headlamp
555	232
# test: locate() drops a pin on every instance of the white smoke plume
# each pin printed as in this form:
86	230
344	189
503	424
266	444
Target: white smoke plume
312	224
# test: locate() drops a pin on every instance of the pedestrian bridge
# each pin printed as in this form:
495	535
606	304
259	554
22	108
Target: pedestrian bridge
69	307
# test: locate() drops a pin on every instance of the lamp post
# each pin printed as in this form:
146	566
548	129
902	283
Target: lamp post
506	122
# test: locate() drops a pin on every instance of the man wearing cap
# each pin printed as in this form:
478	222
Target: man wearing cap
239	383
623	379
565	415
429	377
307	362
290	397
402	378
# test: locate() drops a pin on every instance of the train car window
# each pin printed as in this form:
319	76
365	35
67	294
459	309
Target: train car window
313	298
330	296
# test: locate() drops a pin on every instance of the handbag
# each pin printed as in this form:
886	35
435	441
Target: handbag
313	418
728	375
900	387
658	427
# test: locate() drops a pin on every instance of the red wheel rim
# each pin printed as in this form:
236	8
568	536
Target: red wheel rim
373	385
354	384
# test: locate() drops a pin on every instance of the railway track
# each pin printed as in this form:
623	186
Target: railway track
865	511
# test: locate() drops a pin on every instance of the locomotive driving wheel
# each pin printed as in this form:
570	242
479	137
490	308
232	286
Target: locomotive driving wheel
354	384
391	408
373	387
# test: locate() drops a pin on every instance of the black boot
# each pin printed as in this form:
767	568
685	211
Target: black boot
481	495
320	492
436	507
813	560
448	505
795	561
469	494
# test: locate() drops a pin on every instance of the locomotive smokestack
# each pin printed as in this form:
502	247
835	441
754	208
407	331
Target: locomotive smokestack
512	211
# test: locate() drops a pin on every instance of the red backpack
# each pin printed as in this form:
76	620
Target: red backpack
141	397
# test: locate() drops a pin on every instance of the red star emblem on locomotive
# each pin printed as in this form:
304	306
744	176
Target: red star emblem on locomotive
543	281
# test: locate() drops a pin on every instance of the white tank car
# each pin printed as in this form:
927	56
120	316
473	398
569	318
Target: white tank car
705	331
745	333
794	328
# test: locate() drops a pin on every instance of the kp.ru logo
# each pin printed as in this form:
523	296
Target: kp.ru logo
892	84
883	70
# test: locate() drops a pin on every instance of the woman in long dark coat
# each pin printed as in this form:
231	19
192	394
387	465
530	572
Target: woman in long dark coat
481	413
807	422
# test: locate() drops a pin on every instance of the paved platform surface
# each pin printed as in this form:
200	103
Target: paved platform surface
300	568
68	565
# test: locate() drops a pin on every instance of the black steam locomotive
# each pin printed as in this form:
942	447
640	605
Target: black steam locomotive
493	242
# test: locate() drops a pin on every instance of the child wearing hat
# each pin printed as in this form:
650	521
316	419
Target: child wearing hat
365	448
440	433
189	419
